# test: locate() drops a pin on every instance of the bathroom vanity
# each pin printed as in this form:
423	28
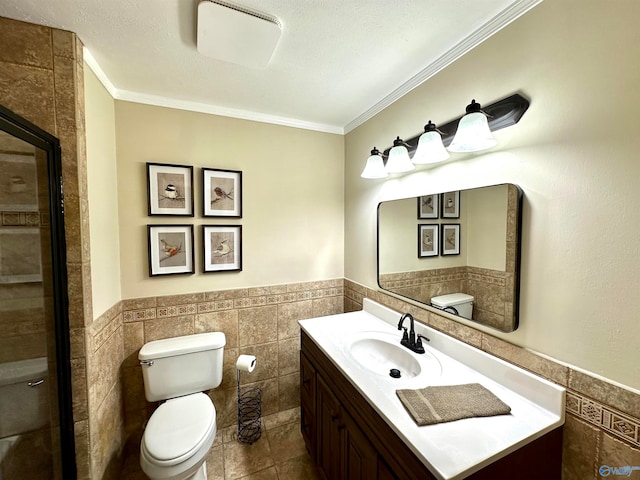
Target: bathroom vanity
355	426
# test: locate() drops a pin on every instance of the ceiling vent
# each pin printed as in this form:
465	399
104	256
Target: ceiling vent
236	35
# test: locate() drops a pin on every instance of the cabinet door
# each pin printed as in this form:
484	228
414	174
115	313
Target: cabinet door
329	432
308	429
307	383
360	458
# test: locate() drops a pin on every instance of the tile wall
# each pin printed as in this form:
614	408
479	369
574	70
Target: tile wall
602	426
257	321
41	79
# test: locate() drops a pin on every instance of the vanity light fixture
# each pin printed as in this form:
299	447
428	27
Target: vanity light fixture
430	146
473	133
399	160
375	166
498	115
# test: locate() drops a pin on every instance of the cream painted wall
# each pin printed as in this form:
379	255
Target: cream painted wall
486	227
293	197
103	194
575	155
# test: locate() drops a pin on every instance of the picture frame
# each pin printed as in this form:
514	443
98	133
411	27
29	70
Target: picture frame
428	206
450	239
451	204
222	247
20	260
170	249
169	189
428	240
221	193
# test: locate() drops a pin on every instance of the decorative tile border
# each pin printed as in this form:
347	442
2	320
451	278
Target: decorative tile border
237	299
604	417
23	219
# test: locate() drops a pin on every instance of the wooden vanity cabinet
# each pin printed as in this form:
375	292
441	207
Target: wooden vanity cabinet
348	440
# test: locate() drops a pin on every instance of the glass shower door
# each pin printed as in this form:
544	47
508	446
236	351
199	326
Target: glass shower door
34	350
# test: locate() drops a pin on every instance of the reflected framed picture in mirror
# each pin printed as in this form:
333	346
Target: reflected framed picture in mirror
451	204
428	240
450	239
428	206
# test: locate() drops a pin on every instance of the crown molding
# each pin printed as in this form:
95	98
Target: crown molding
498	22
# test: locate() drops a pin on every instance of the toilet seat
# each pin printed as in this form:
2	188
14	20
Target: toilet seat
178	429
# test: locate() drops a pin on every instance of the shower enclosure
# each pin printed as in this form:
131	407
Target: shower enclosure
36	425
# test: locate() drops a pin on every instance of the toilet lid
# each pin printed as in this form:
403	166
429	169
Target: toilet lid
179	426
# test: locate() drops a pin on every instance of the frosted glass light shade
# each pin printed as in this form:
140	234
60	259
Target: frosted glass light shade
430	149
399	160
473	134
374	168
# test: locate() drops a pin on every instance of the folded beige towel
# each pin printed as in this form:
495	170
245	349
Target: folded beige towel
440	404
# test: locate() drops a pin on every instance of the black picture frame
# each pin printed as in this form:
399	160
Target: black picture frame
221	193
428	240
222	248
450	204
169	189
170	249
450	239
428	206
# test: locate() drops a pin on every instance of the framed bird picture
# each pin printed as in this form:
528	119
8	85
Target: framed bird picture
170	249
222	193
170	189
222	248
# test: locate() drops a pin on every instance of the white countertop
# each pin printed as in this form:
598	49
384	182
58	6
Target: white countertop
453	450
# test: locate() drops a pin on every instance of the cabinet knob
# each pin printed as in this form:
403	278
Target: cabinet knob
334	417
341	426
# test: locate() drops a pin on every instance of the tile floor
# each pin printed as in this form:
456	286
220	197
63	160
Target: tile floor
279	454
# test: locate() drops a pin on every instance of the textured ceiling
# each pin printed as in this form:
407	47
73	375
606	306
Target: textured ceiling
337	63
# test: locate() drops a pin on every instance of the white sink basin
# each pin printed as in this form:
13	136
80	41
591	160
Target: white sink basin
380	353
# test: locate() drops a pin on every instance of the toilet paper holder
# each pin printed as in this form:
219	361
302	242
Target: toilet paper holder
249	404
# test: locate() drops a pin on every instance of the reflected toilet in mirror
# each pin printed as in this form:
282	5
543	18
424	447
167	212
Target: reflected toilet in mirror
468	247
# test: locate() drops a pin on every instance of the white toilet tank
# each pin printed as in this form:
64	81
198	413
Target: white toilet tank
455	302
182	365
24	396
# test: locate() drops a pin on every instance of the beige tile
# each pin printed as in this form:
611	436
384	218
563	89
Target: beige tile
103	368
225	295
106	434
80	396
83	458
526	359
606	393
160	328
139	303
289	356
281	418
580	449
215	463
289	391
285	442
258	325
29	457
266	474
25	43
133	389
224	321
242	459
226	402
173	300
299	468
288	316
266	362
615	453
328	306
133	333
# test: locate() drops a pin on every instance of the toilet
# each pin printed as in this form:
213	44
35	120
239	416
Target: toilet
459	304
179	434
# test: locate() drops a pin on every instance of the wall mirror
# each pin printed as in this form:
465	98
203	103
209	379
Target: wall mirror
462	242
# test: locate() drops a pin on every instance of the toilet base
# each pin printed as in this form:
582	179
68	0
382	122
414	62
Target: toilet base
201	474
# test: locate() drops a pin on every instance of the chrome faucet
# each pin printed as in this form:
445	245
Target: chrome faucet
410	340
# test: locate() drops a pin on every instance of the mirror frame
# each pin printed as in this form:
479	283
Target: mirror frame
513	253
